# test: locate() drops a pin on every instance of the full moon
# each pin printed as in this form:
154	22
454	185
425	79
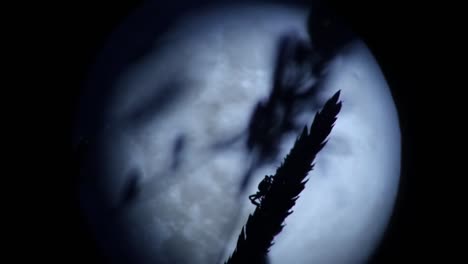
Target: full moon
166	136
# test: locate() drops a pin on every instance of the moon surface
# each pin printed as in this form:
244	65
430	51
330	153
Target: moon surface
156	186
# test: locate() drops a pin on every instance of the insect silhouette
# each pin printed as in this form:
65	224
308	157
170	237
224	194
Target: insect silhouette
263	188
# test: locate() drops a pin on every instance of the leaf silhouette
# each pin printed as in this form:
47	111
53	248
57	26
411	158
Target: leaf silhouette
267	221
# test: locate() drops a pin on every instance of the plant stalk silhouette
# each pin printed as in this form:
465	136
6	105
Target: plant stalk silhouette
267	221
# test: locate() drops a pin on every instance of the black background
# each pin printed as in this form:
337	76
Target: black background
69	37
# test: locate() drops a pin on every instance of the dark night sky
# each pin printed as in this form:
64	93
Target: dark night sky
397	34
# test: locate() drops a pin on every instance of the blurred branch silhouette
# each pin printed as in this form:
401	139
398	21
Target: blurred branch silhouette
267	221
